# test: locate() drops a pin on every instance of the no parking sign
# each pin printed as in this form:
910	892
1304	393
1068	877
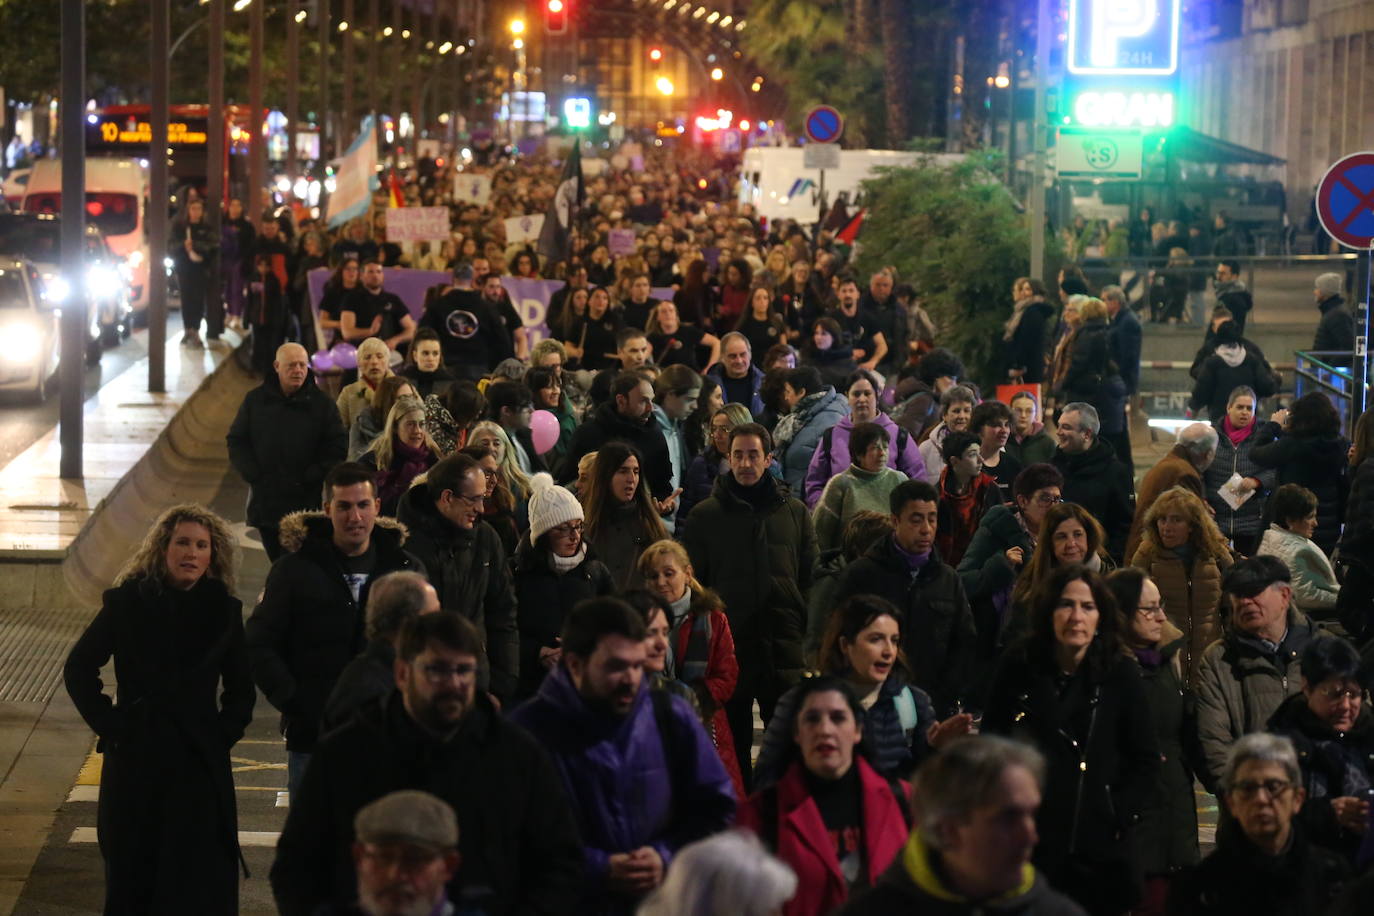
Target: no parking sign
1345	201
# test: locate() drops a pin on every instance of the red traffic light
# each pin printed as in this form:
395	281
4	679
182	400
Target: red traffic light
655	54
555	16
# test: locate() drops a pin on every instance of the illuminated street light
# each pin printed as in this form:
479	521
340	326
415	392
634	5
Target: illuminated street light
446	47
517	26
711	19
664	85
241	5
726	21
343	25
301	16
405	33
518	44
655	54
717	74
388	31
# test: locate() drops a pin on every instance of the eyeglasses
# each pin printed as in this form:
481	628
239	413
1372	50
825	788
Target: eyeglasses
471	500
1045	499
1336	694
437	673
1250	789
571	529
1151	610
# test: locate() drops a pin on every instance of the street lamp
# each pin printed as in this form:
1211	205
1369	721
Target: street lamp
664	85
517	26
717	74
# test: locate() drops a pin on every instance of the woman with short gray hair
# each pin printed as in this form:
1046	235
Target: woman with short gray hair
730	872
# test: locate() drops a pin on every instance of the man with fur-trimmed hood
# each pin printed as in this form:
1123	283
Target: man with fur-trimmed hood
309	623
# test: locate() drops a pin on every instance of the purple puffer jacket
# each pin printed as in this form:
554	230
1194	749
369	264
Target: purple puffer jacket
623	793
826	463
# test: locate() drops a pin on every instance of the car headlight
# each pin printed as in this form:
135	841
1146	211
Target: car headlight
101	279
22	341
169	264
135	259
58	289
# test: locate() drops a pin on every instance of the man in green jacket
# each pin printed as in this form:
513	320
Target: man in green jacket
1247	673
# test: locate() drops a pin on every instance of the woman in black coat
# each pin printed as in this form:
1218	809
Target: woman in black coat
1231	366
167	820
1309	451
1093	375
1027	333
1356	601
1069	690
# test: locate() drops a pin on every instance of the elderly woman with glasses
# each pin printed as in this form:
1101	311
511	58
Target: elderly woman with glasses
1333	732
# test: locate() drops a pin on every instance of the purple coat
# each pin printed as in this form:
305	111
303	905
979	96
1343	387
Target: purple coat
623	792
827	462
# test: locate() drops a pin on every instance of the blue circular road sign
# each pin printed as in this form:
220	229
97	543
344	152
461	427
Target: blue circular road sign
823	124
1345	201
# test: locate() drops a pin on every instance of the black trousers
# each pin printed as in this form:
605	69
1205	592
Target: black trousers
756	681
195	285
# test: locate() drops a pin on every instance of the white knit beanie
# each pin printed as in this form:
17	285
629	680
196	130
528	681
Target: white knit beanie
550	505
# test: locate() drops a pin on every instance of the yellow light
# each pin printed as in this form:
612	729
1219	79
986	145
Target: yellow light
756	87
701	11
555	6
405	33
664	85
743	124
446	47
1002	82
701	183
388	31
343	25
241	5
726	21
711	19
717	74
518	44
517	26
301	16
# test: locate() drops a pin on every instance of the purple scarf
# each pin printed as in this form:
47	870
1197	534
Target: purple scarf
406	464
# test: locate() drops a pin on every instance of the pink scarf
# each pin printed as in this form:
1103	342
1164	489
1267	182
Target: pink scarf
1237	436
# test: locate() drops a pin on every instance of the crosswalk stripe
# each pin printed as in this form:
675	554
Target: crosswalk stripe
267	838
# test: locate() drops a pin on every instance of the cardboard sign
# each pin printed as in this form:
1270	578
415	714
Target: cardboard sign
470	187
621	241
416	224
524	228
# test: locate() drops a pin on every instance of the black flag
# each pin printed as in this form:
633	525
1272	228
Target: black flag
555	239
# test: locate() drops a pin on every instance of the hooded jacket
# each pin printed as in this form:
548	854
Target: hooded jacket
607	425
518	844
832	456
814	414
760	562
938	633
308	626
912	885
1229	367
1097	481
1240	685
627	790
468	569
283	446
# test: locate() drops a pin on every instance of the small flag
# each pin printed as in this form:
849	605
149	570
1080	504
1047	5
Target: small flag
851	230
555	238
356	178
394	197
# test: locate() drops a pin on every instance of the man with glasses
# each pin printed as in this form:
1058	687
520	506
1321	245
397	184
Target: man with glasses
466	563
1264	862
1246	674
519	849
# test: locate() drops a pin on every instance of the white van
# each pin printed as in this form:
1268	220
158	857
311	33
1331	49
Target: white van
773	179
116	192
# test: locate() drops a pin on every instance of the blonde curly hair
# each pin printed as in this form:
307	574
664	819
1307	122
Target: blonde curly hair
150	560
1204	535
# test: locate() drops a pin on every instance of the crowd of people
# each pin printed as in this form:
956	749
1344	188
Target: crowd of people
530	596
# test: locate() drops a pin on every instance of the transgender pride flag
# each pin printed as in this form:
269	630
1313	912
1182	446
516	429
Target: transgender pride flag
356	178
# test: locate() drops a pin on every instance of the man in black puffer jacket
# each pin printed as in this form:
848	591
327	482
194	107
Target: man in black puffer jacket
309	624
466	564
627	417
1093	477
938	632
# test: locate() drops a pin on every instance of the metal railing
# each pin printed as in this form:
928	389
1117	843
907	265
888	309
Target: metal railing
1313	373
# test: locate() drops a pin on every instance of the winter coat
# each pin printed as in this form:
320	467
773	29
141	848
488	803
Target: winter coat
917	409
1240	684
760	564
543	598
820	604
368	679
698	482
630	784
832	456
931	456
988	578
1359	510
1094	377
468	569
520	841
1237	878
722	676
798	836
1102	762
167	819
960	513
1192	597
1230	460
1167	834
816	416
355	399
1319	463
308	626
1037	448
849	493
1123	338
717	374
1029	346
1333	765
606	425
204	242
896	751
1097	481
1314	581
1228	368
283	446
621	537
938	633
913	886
1335	331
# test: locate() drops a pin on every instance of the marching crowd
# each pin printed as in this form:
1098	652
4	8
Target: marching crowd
529	594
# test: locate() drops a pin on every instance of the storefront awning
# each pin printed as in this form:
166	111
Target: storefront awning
1182	142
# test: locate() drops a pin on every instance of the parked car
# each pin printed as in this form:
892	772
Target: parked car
29	330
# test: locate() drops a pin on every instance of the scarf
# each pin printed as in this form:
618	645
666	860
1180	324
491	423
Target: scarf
563	565
1149	658
793	421
1237	436
1018	311
407	462
695	660
915	562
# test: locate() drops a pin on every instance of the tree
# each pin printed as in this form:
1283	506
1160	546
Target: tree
956	234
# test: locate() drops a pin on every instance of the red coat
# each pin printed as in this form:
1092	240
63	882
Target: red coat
805	844
722	674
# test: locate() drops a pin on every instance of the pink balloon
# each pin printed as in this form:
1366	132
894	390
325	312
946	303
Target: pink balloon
323	361
544	430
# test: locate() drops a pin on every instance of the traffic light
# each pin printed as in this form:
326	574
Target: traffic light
556	16
655	54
